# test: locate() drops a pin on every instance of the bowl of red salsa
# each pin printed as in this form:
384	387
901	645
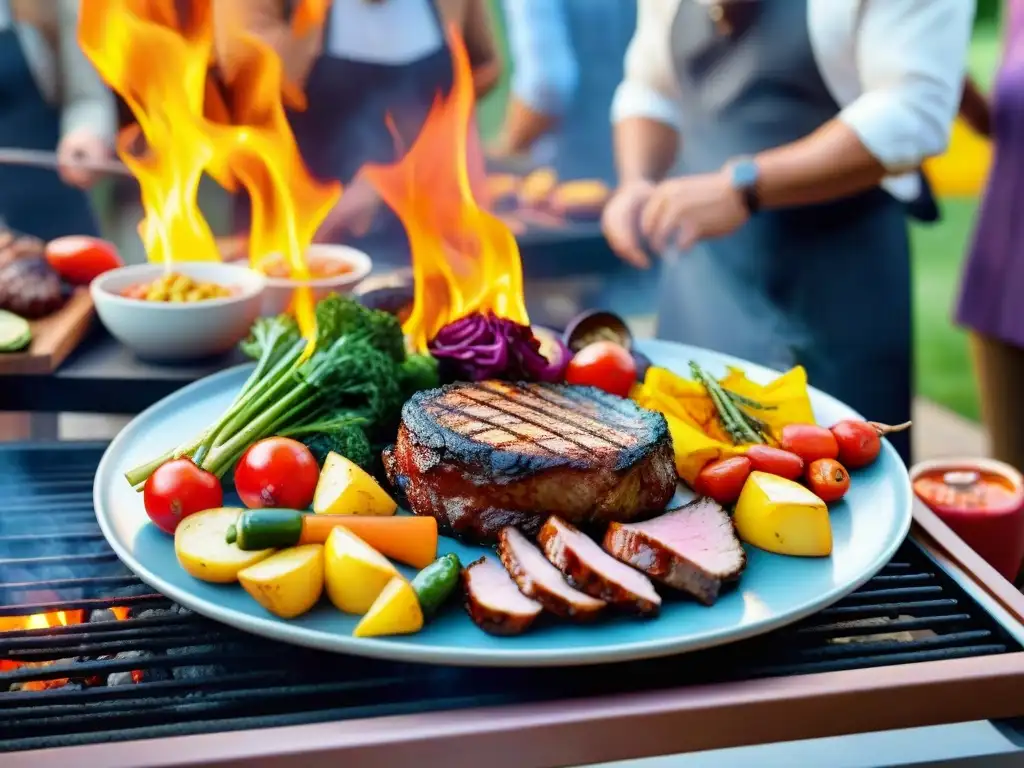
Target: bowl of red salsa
332	269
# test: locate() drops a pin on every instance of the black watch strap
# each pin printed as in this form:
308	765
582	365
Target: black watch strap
744	173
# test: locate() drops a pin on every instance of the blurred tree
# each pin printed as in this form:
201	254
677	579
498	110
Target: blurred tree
988	11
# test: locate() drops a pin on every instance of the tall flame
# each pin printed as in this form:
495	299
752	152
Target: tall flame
159	63
464	259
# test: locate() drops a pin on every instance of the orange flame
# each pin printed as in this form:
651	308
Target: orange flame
464	259
159	64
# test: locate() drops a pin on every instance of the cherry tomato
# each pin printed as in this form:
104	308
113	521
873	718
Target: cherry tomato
78	259
605	365
775	461
859	443
178	489
828	480
723	480
809	441
277	472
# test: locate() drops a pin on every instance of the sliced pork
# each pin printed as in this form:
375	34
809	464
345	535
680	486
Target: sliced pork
592	570
693	548
540	580
494	602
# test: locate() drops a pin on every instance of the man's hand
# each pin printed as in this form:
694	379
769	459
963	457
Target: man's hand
353	214
620	218
78	149
687	209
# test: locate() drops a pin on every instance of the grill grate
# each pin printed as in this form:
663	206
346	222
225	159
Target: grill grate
165	671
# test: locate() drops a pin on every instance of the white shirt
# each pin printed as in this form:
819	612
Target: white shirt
895	67
394	33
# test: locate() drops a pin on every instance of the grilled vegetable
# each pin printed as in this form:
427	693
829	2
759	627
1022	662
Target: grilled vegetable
775	461
605	365
356	573
178	489
436	583
781	516
809	441
409	539
15	332
202	548
289	582
396	611
828	480
277	472
79	259
344	488
860	442
723	480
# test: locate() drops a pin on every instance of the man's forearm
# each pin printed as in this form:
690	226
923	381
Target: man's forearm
829	164
524	125
645	149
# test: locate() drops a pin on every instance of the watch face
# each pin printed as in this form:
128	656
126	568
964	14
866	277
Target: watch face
744	174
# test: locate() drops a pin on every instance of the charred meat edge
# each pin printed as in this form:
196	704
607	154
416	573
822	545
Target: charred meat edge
585	608
491	618
586	577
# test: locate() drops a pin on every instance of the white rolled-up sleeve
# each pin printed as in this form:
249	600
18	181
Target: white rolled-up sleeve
649	88
911	57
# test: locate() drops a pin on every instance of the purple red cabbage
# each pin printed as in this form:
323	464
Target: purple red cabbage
484	346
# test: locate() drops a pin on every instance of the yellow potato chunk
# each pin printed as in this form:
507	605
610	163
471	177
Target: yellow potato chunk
203	551
781	516
396	611
289	582
356	573
345	489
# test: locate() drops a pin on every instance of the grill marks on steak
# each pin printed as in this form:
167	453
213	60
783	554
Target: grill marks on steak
494	602
481	456
693	548
590	569
541	581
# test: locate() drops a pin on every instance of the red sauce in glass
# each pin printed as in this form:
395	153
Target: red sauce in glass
967	490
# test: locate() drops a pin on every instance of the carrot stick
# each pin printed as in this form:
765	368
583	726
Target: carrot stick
410	539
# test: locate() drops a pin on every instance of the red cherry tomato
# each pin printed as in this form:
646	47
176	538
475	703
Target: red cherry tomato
809	441
828	480
79	259
605	365
859	443
178	489
723	480
775	461
277	472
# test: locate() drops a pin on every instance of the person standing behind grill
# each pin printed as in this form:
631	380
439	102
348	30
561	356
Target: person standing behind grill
50	97
566	63
372	62
993	280
799	121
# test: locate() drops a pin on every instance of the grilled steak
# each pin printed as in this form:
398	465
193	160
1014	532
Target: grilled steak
481	456
694	548
493	600
540	580
592	570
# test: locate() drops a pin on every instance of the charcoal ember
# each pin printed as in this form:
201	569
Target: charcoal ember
143	674
181	610
196	671
151	613
101	614
29	287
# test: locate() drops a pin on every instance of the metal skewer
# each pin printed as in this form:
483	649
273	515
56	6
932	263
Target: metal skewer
41	159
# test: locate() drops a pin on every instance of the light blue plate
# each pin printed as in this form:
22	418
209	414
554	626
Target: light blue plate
868	527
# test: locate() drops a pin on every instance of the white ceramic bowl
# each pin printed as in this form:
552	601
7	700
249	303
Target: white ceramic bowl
179	331
279	290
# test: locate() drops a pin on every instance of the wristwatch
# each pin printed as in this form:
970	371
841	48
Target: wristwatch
744	175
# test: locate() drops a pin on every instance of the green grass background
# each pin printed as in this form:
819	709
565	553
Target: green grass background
942	362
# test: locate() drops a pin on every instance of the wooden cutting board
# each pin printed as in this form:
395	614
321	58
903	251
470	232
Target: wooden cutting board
53	338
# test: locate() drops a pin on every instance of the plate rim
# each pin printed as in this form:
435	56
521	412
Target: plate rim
475	657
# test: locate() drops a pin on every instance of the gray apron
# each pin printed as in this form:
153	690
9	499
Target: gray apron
34	200
824	286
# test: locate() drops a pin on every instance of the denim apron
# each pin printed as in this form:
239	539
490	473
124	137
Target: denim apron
34	200
345	125
824	286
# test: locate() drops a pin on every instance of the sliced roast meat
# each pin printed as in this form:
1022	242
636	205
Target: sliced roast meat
592	570
540	580
693	548
494	602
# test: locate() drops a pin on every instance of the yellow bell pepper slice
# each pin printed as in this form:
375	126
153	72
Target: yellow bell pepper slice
787	398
